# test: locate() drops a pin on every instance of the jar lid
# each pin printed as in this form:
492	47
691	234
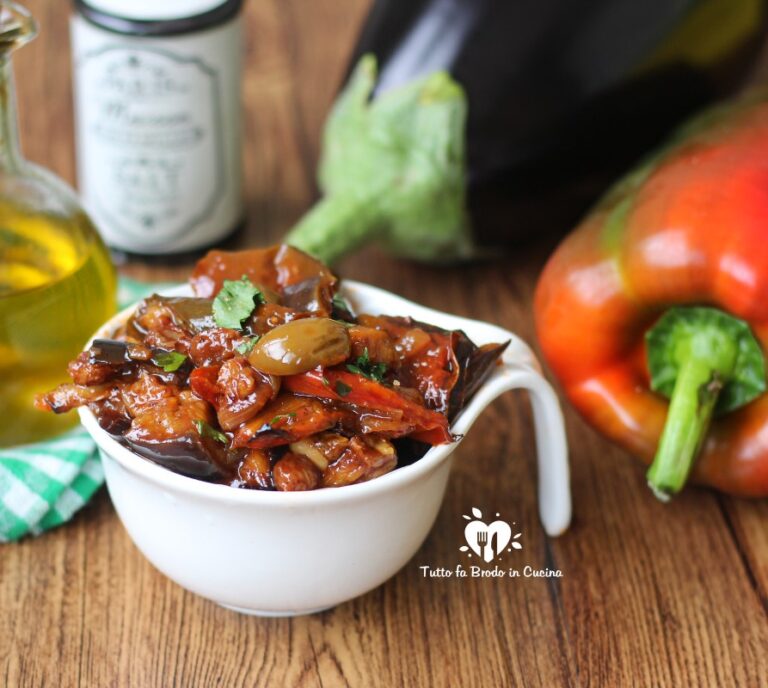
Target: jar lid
156	18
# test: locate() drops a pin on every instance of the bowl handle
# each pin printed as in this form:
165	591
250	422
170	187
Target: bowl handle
551	444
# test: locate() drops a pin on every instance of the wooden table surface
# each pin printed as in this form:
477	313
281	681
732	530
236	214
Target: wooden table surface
651	595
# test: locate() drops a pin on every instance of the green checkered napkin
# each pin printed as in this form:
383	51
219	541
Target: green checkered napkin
42	485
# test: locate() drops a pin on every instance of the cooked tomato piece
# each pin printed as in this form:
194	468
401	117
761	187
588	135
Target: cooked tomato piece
203	383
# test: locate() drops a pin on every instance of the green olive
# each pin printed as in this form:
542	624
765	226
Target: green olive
300	345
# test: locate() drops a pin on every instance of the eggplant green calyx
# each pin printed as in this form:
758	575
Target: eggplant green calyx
707	363
392	170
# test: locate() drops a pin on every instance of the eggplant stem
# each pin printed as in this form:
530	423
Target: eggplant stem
336	225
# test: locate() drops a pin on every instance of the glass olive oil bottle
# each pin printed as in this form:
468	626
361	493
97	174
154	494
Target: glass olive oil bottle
57	284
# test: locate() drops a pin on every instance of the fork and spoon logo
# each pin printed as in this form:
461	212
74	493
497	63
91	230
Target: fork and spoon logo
488	540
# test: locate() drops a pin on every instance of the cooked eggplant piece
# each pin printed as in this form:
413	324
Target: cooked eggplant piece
409	450
70	396
322	448
255	471
366	458
242	392
474	372
109	352
342	310
371	343
313	295
295	473
85	371
186	455
175	431
276	268
194	313
215	346
287	419
113	360
172	317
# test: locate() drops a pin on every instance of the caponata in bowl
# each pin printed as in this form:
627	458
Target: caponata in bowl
266	379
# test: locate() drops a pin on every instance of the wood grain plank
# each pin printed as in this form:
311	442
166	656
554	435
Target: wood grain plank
45	93
748	520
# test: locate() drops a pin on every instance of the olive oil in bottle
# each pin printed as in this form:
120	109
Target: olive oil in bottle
57	284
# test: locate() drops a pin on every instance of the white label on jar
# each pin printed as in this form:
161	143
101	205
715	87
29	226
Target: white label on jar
158	135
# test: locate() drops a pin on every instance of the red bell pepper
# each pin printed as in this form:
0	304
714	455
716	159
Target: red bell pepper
662	292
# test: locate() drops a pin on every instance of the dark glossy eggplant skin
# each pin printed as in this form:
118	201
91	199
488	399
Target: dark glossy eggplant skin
186	455
475	370
312	295
125	364
189	314
195	312
110	352
563	96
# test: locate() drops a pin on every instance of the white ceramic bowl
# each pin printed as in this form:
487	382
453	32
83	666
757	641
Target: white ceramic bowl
287	553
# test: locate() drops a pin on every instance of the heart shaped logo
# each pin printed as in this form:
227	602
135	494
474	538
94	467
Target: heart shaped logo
488	540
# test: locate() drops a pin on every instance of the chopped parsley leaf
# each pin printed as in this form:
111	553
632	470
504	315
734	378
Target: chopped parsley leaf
342	389
367	368
282	416
206	430
169	361
235	302
246	346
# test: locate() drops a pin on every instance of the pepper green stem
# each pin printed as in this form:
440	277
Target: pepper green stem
690	413
705	357
707	362
335	226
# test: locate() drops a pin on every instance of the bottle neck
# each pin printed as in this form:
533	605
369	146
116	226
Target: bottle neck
10	152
